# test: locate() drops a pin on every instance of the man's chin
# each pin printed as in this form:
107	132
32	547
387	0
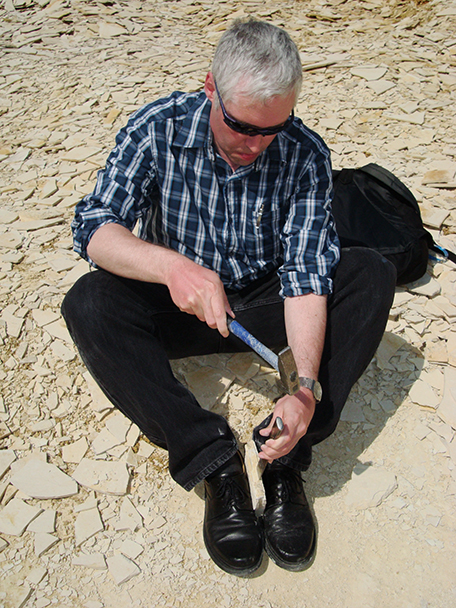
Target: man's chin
246	159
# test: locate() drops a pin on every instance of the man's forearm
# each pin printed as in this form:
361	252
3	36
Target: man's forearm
305	321
114	248
193	288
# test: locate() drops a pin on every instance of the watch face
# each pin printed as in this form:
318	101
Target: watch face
318	393
314	386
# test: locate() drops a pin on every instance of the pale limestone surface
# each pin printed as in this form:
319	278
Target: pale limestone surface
38	479
379	86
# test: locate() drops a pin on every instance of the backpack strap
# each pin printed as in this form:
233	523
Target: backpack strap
391	181
449	255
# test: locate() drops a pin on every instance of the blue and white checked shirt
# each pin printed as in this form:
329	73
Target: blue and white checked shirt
271	215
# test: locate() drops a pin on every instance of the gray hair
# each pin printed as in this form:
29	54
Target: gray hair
257	59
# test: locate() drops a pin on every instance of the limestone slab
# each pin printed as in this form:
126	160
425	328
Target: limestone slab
447	407
6	458
103	476
118	425
131	549
121	568
388	347
75	452
209	384
381	86
369	486
16	516
87	524
423	394
369	73
95	561
44	317
130	518
43	542
44	523
104	441
39	479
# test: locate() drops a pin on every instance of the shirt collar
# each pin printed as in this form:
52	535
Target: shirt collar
195	129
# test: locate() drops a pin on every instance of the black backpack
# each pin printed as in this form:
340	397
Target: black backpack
373	208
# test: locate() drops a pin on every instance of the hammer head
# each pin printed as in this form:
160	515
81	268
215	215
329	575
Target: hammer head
288	371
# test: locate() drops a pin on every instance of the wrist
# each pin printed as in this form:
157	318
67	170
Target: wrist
311	386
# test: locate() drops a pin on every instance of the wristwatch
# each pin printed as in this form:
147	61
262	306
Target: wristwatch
313	385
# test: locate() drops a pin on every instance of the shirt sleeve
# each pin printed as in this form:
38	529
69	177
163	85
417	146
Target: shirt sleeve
310	243
122	188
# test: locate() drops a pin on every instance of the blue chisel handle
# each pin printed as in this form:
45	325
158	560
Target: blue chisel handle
264	352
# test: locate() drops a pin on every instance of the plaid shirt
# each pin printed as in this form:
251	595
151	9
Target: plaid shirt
274	214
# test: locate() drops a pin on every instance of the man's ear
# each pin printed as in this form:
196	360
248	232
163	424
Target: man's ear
209	86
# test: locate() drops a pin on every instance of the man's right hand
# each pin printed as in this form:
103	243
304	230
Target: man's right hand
198	291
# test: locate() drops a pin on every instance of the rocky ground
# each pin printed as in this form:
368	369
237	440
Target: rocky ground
89	516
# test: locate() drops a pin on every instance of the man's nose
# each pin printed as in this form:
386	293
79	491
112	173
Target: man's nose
254	143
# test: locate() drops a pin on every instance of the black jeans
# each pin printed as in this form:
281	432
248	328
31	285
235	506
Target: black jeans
126	332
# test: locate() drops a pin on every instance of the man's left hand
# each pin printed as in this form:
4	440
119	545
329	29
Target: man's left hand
296	412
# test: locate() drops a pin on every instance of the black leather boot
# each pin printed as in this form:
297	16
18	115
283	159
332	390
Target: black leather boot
289	528
232	534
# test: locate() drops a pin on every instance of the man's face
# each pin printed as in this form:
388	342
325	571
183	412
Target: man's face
238	149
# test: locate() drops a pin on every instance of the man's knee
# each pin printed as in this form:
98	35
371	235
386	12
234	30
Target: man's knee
368	269
83	300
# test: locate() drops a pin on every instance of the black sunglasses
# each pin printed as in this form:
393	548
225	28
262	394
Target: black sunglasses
245	129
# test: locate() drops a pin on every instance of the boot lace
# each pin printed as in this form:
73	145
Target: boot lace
230	493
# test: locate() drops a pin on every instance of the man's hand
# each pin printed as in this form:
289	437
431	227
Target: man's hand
198	291
296	412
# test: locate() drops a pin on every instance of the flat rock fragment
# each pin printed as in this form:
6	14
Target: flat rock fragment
380	86
417	118
423	394
36	575
426	286
447	407
58	329
109	30
121	568
44	523
6	458
17	595
103	476
131	549
388	347
104	441
209	384
39	479
119	425
75	452
95	561
13	324
80	154
44	317
130	518
16	516
353	412
369	486
445	306
369	73
87	524
43	542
